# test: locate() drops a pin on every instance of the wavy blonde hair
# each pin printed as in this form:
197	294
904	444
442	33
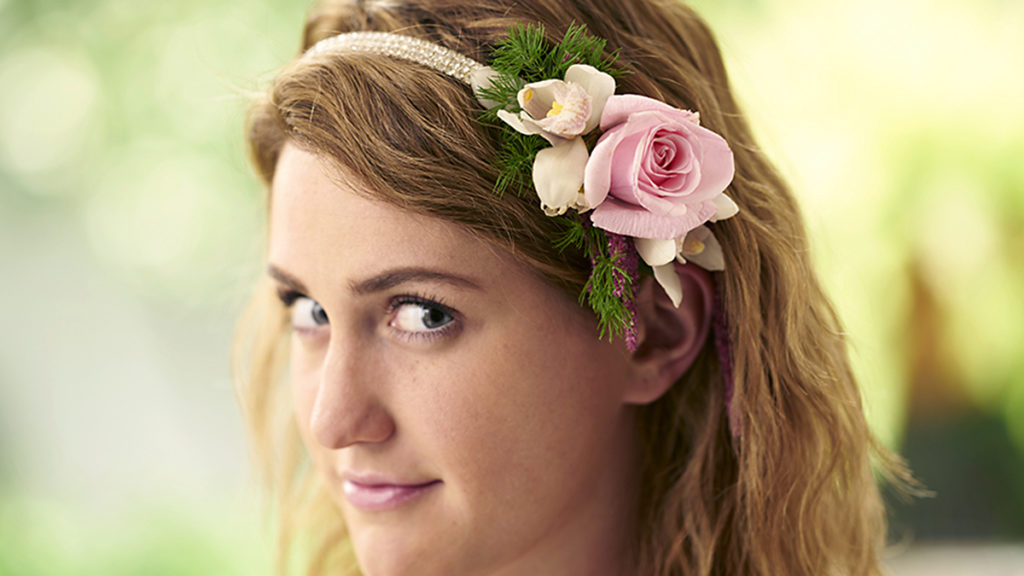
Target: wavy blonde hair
793	492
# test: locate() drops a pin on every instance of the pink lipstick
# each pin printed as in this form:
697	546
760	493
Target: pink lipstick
371	495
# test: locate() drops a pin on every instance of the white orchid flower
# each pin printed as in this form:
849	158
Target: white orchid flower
558	183
726	208
660	255
561	111
698	246
702	248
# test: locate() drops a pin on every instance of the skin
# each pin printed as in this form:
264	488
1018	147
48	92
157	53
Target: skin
504	399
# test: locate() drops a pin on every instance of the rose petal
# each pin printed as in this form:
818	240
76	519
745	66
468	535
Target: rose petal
656	252
726	208
668	278
619	217
712	167
625	165
558	175
716	162
597	180
674	153
669	193
619	107
599	85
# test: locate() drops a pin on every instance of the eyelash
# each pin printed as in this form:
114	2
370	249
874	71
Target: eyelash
289	296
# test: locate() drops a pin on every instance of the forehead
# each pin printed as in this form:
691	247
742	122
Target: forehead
318	216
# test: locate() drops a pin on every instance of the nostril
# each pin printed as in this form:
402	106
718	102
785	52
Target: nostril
336	425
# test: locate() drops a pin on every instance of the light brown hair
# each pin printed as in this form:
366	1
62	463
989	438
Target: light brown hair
793	492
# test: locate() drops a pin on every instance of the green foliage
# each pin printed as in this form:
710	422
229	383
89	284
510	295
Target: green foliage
613	317
515	162
574	235
526	53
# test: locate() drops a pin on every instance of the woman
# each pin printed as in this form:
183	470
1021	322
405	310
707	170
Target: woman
506	357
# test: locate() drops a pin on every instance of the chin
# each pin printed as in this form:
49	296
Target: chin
396	551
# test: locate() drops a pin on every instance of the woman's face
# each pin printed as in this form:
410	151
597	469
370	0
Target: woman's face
462	412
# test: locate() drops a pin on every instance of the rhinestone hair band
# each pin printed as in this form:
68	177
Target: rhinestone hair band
439	58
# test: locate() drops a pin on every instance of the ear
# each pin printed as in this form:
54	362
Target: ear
669	338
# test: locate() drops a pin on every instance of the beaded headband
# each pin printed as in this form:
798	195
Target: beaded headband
632	180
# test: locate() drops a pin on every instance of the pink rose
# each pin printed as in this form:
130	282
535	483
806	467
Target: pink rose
655	172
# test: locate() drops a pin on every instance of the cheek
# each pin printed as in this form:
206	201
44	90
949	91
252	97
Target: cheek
305	380
528	413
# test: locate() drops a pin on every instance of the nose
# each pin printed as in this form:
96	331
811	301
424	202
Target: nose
348	408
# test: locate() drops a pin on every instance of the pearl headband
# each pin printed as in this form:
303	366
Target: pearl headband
439	58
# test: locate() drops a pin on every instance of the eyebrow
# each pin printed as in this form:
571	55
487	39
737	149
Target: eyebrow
383	281
285	278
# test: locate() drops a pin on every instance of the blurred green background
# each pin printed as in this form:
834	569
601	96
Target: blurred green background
130	231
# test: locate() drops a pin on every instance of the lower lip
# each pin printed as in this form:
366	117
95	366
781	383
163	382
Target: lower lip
376	497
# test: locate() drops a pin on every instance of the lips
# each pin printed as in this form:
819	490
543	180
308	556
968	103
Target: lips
373	494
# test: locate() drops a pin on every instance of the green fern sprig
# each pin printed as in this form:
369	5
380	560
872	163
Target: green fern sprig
573	236
524	53
515	162
503	90
599	293
578	47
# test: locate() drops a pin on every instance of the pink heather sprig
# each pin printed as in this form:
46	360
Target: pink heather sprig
622	251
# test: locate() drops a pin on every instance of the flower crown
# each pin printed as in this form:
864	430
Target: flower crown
630	178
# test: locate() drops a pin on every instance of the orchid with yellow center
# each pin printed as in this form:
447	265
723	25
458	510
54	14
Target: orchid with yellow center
562	111
698	246
555	109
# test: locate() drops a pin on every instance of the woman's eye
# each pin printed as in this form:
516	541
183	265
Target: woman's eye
420	317
307	314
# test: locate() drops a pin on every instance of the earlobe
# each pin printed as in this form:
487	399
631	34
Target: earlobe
669	338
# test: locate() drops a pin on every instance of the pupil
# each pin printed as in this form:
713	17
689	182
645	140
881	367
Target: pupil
433	317
319	315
